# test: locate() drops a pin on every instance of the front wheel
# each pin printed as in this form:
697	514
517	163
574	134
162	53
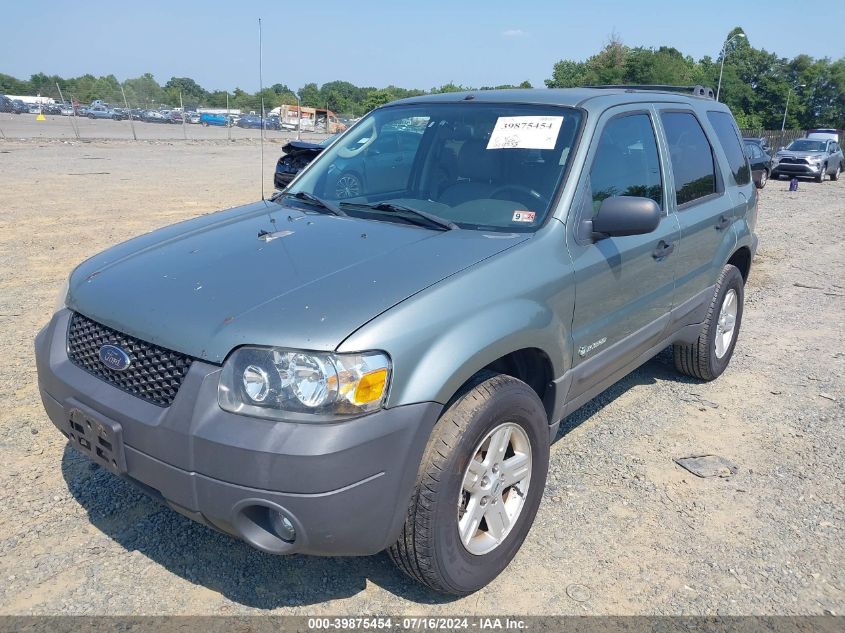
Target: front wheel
710	354
348	185
478	488
835	175
820	177
764	178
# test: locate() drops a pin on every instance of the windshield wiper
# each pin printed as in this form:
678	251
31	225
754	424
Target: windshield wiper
429	218
317	201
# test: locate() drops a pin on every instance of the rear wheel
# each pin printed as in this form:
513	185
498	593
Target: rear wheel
710	354
479	486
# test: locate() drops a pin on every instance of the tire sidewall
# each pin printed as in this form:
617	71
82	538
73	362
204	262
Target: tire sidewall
731	280
462	571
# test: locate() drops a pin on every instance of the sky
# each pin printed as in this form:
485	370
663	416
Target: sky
369	43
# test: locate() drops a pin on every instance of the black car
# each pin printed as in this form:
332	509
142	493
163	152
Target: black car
19	107
5	104
762	141
761	161
297	154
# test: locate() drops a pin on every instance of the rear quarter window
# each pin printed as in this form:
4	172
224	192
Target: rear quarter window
691	155
729	139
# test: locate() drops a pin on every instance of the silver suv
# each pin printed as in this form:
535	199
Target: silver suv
809	158
340	372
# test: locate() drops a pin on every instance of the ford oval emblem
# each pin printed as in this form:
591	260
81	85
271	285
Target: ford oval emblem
114	357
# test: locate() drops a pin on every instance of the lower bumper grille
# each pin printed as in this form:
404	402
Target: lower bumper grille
154	373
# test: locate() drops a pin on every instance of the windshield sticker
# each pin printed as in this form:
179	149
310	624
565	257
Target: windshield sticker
523	216
525	132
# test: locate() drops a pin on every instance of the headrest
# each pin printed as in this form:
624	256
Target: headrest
476	162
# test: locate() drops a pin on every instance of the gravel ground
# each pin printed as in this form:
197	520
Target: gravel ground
621	530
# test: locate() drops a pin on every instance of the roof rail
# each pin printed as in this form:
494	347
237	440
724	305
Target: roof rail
696	91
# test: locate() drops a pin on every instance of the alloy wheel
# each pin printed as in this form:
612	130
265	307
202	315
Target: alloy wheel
494	488
726	324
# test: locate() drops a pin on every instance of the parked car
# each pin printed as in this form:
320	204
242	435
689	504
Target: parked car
390	372
19	107
5	104
34	108
296	155
192	117
809	158
104	112
154	116
760	161
386	160
208	118
253	121
825	134
762	141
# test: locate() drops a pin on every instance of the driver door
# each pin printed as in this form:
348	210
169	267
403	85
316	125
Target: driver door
623	285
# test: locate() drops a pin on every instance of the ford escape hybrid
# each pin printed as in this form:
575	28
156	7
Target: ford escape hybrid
340	371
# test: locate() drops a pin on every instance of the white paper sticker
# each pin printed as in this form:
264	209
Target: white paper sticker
525	132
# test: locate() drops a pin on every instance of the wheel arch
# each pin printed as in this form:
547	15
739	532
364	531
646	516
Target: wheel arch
741	258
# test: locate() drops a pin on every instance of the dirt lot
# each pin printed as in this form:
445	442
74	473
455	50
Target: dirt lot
621	530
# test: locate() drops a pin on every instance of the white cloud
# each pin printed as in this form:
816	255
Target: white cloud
513	33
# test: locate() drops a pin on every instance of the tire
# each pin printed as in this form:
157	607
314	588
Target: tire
430	548
764	178
702	359
835	175
820	177
348	185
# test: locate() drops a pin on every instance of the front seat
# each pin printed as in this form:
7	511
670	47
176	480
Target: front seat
479	172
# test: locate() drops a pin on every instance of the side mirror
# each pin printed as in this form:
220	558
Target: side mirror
619	216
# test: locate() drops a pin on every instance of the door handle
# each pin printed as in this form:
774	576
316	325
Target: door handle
663	249
723	223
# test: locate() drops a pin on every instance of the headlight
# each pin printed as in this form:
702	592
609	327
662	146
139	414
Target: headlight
61	298
272	382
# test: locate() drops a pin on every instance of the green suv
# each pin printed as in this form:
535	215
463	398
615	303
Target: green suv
340	372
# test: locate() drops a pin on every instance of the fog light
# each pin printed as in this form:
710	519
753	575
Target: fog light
282	526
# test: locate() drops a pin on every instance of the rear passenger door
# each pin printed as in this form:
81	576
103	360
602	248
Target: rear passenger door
698	196
624	285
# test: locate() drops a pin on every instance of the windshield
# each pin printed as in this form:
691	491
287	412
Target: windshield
803	145
477	165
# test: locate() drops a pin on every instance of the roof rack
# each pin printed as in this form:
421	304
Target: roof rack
696	91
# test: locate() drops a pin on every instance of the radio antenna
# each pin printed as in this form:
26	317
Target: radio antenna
261	92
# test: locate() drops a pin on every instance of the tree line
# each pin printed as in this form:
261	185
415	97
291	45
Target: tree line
145	92
755	84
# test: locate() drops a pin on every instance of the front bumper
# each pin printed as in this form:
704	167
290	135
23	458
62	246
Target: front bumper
797	169
344	486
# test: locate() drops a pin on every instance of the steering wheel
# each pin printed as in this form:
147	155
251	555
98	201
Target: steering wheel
350	151
529	194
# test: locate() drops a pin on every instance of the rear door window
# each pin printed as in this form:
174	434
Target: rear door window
691	155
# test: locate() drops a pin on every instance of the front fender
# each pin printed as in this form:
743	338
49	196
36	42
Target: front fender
451	359
523	298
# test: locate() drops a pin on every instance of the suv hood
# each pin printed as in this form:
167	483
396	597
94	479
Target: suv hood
785	153
208	285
